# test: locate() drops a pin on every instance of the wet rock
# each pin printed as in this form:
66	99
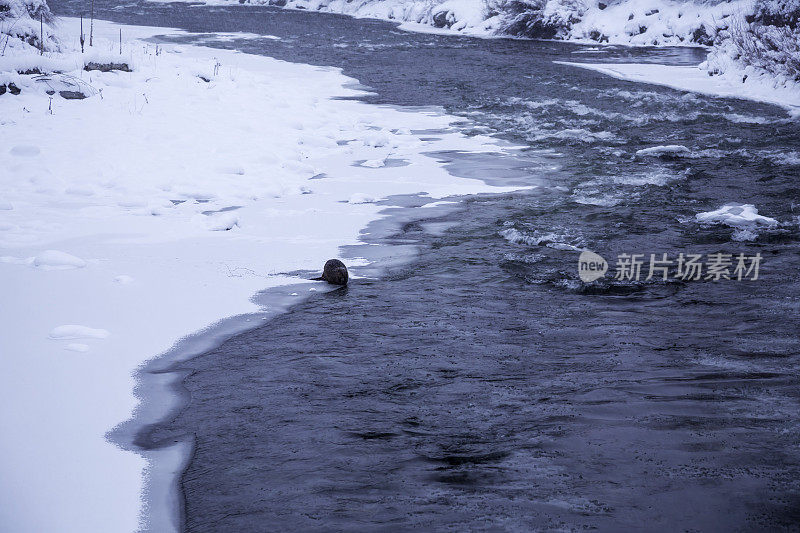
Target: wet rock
107	67
13	89
440	20
334	272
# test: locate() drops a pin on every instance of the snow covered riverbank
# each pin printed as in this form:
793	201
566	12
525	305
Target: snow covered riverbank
153	208
752	43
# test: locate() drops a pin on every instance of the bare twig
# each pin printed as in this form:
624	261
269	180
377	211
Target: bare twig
91	26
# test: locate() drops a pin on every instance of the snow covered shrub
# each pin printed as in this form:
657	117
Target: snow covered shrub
636	22
780	13
22	19
538	19
768	40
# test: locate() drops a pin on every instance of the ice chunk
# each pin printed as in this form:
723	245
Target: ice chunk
374	163
668	150
736	215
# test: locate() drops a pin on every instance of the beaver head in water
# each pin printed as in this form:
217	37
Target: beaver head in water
334	272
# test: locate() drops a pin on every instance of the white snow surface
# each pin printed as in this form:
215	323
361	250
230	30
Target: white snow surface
150	210
757	87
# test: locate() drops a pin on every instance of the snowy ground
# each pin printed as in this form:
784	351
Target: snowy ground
152	209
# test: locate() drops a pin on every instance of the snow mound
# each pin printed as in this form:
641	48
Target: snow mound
361	198
74	331
374	163
222	222
736	215
57	260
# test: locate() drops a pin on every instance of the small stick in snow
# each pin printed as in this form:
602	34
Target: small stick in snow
83	38
91	25
41	34
120	41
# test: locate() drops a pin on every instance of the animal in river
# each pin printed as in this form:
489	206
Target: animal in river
334	272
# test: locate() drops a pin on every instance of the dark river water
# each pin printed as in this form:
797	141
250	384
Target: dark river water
483	386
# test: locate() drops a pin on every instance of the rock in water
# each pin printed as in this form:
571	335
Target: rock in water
334	272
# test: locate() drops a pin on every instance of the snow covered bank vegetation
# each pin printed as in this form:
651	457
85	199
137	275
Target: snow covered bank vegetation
756	39
633	22
157	205
764	42
31	58
28	21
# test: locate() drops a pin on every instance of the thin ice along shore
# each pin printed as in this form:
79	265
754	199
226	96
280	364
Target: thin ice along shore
187	180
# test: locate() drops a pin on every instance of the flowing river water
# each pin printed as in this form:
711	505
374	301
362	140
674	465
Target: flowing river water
481	385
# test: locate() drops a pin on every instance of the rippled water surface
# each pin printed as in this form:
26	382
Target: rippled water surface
483	386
